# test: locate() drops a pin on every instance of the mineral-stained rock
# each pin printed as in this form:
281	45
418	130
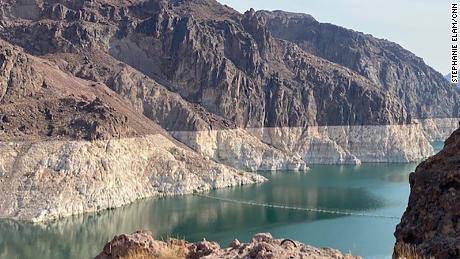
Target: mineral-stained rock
263	245
46	180
71	146
199	66
226	84
431	223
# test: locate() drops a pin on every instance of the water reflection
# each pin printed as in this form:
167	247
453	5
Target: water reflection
369	187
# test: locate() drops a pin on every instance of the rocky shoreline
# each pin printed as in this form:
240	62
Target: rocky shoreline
47	180
106	102
141	244
103	174
293	148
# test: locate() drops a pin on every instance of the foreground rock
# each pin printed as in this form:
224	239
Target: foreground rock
142	245
431	224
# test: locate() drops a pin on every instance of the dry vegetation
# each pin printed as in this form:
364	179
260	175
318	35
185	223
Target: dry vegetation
175	249
407	251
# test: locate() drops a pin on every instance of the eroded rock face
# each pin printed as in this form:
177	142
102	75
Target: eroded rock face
220	81
235	65
383	62
201	66
52	179
431	223
262	245
71	146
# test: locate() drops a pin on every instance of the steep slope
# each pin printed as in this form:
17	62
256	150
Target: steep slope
448	78
237	70
232	67
431	223
209	74
420	88
70	146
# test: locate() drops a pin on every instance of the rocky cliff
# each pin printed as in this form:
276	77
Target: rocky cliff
430	227
80	75
389	66
70	146
197	67
141	244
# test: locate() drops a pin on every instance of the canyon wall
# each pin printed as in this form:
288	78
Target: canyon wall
319	144
70	146
221	86
256	91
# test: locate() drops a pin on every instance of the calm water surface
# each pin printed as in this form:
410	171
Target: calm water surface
437	146
372	188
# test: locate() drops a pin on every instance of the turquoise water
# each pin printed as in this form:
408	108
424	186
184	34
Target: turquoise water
371	188
437	146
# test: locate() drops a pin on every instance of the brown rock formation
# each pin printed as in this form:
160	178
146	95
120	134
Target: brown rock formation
71	146
385	63
141	244
431	223
40	101
232	67
111	69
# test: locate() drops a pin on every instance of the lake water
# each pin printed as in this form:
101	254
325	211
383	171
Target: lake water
371	188
437	145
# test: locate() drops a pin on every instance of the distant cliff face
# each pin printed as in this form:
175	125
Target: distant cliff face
389	66
234	68
448	78
252	70
431	223
197	65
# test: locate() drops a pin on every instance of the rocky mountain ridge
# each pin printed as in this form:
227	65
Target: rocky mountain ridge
254	75
386	64
200	66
